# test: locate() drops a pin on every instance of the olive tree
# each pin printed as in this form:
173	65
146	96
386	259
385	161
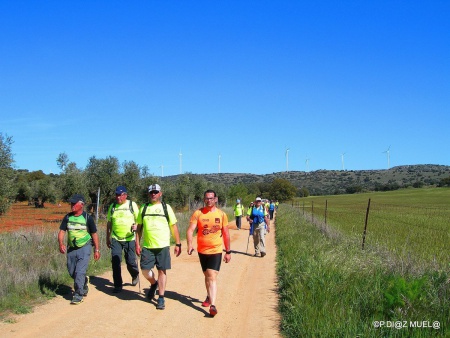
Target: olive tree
7	191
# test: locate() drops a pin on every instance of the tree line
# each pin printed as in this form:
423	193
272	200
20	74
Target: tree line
183	193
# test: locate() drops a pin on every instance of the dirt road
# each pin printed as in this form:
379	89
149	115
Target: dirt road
246	302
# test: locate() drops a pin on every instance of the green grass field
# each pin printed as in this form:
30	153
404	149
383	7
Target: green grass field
330	287
411	224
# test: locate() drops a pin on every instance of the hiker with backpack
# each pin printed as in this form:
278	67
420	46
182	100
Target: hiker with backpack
212	235
156	221
238	212
271	209
120	237
259	221
81	235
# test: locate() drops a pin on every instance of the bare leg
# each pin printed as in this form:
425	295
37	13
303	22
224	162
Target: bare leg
211	284
162	279
149	275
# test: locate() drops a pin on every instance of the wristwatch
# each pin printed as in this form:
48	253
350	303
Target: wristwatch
228	252
178	245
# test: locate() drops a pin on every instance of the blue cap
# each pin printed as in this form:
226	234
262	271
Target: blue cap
121	189
77	198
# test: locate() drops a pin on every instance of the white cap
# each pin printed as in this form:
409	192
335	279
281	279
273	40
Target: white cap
154	187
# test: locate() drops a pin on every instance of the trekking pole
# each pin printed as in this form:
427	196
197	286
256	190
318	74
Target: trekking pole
248	239
137	263
139	278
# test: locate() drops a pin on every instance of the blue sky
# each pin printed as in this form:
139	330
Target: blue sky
230	84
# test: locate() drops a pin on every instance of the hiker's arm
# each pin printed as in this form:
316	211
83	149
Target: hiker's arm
62	247
96	246
138	239
226	242
176	235
189	237
266	218
108	234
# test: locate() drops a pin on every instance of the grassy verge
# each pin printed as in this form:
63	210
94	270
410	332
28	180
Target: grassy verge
329	287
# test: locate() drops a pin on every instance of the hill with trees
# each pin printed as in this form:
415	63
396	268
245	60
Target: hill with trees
332	182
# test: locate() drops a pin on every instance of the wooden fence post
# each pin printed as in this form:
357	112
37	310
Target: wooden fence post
326	208
365	224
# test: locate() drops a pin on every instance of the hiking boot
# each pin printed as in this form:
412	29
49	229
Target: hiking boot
135	281
212	310
256	254
263	254
161	304
76	300
117	290
152	291
207	302
86	286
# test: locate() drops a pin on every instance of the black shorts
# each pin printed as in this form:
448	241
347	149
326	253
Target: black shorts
158	257
212	261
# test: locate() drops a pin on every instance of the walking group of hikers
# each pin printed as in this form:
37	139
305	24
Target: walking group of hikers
146	232
258	215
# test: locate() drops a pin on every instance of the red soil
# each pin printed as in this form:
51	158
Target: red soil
22	215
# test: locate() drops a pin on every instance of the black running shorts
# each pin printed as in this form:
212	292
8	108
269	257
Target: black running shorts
212	261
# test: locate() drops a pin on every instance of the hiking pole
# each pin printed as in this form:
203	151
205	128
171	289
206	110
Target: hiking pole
139	279
137	261
248	239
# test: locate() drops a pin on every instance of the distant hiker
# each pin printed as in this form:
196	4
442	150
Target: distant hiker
271	209
259	221
156	221
81	235
276	204
120	236
212	225
238	212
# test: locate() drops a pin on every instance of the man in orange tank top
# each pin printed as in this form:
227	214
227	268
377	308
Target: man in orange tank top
212	224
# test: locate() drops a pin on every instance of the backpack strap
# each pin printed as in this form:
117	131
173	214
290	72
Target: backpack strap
166	213
113	207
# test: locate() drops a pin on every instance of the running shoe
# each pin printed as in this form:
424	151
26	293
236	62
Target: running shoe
212	310
86	286
207	302
76	300
152	291
161	304
135	281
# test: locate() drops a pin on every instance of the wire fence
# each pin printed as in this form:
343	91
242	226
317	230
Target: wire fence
416	231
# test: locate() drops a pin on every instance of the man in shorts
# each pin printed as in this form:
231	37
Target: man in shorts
156	221
212	224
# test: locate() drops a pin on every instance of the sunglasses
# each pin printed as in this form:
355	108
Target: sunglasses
153	192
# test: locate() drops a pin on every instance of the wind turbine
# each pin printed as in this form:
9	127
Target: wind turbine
219	162
307	163
162	170
342	160
388	156
287	159
181	162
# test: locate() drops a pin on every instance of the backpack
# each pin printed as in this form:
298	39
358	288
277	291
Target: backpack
164	205
113	208
252	217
